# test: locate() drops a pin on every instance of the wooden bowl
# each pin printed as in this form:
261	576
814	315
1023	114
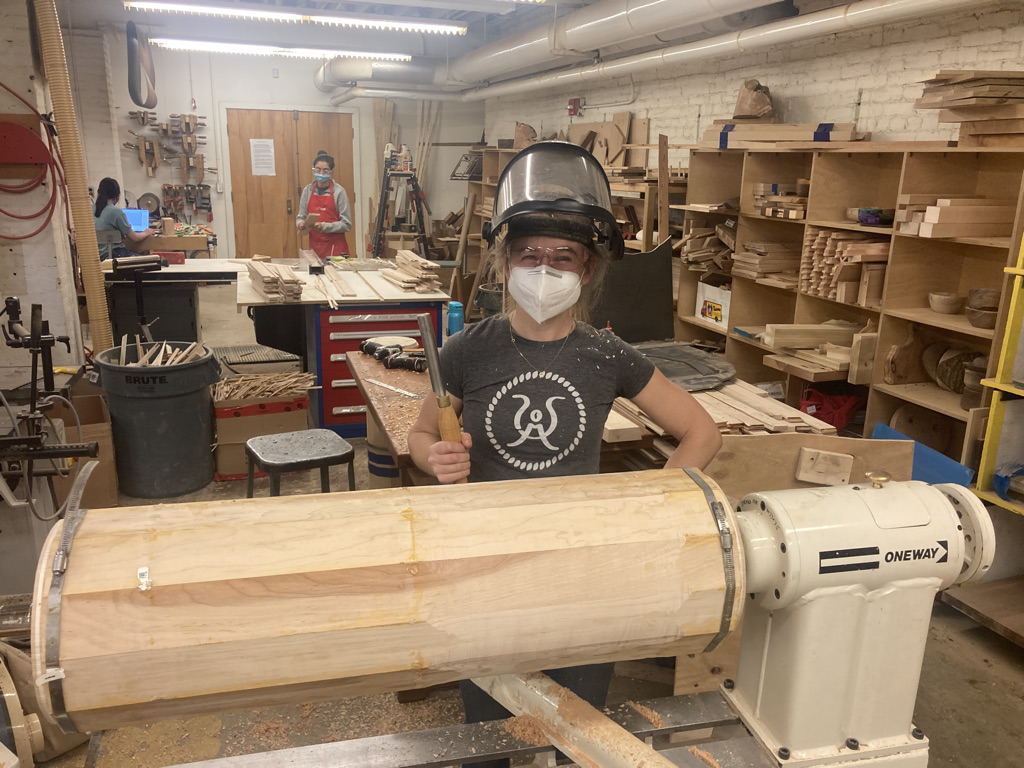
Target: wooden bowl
983	298
946	303
981	318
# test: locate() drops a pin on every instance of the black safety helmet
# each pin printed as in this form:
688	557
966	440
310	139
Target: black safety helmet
556	178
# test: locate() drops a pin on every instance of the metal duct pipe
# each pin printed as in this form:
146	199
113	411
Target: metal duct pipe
56	70
845	18
590	29
341	72
357	92
734	22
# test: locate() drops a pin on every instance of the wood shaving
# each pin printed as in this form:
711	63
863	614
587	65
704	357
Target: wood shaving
527	729
647	714
707	757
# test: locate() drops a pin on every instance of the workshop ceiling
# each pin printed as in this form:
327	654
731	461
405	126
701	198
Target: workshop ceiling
486	22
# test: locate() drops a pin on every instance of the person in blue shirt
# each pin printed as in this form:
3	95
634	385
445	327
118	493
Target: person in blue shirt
109	218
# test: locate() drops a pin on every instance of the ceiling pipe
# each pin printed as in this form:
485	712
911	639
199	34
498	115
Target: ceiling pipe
341	72
587	31
581	34
847	18
858	15
357	92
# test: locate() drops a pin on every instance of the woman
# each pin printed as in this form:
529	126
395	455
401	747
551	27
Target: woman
328	200
109	218
534	386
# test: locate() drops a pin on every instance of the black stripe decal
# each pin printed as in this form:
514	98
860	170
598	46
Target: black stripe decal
872	566
835	554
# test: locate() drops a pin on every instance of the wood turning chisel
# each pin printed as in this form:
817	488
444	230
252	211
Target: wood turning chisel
447	420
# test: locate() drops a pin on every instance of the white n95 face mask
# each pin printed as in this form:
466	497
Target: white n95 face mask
544	292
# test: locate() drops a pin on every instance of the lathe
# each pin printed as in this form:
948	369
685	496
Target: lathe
168	610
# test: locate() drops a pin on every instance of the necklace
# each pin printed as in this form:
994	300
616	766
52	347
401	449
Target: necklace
512	336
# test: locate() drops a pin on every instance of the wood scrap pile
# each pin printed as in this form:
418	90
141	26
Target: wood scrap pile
414	274
843	265
774	263
276	283
988	104
160	354
704	249
738	408
608	141
263	386
955	216
728	134
782	201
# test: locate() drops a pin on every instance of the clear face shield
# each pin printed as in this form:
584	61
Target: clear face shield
558	178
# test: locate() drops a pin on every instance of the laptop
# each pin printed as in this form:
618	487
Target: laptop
138	218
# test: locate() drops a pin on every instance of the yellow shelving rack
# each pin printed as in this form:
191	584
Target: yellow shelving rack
1004	441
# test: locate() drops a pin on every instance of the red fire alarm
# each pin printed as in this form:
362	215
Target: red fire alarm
575	107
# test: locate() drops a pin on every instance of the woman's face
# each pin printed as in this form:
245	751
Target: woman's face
321	168
565	255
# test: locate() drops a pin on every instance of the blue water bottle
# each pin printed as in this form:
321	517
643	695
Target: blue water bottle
454	317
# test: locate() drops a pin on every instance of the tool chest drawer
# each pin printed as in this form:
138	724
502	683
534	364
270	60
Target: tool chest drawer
338	334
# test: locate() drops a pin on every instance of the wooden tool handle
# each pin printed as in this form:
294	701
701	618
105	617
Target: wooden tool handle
448	423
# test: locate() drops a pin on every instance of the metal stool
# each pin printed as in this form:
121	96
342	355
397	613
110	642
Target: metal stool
292	451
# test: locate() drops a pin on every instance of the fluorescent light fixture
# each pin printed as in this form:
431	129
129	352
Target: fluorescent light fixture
272	50
352	20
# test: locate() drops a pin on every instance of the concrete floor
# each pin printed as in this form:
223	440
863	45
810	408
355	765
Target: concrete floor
970	702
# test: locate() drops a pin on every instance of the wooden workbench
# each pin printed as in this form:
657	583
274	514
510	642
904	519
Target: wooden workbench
394	412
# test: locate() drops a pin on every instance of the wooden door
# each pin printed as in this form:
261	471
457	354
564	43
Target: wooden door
264	206
332	132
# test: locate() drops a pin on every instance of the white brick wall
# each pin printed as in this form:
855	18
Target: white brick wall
38	269
815	81
88	68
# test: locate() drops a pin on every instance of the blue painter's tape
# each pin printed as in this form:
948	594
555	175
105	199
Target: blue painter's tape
723	137
823	131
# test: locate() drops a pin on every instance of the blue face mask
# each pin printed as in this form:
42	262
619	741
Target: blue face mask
322	178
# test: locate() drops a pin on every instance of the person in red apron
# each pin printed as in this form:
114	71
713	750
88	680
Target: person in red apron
326	198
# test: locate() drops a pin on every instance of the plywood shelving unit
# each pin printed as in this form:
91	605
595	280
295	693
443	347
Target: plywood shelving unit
863	177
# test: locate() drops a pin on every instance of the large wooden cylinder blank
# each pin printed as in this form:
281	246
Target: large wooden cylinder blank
262	601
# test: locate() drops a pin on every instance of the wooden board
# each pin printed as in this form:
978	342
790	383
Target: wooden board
749	463
997	229
264	601
823	467
998	605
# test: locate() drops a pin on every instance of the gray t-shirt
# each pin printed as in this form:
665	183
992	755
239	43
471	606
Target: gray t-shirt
545	417
111	219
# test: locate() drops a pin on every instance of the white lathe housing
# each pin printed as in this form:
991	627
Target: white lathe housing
840	585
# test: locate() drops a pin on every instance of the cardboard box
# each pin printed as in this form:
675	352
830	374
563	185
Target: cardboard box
101	490
713	304
236	421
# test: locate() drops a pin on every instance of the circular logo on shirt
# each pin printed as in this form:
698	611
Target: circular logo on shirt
542	416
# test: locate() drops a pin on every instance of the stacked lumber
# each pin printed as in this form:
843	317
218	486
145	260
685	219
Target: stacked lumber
843	265
414	274
263	386
988	104
820	352
954	216
782	201
760	260
276	283
737	135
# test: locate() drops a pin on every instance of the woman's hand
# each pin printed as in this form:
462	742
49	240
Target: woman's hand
318	226
300	226
449	461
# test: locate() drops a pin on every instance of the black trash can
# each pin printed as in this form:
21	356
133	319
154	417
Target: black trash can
162	421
